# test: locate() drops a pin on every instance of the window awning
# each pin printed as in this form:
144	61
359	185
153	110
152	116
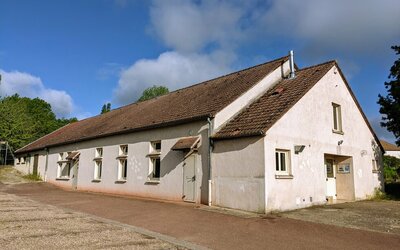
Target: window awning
186	143
72	156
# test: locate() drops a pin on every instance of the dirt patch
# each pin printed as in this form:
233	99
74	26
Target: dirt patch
381	216
9	175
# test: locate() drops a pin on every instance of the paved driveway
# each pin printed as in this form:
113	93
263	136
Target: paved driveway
214	230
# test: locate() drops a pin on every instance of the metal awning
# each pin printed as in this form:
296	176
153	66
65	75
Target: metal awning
72	156
187	143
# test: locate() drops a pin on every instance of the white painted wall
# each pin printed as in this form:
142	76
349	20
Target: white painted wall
310	123
171	182
27	166
250	96
238	174
393	153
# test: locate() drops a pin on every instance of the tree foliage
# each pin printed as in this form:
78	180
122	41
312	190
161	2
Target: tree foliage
390	104
106	108
153	92
23	120
391	168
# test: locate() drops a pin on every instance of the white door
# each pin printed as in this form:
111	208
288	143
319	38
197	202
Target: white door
330	178
189	179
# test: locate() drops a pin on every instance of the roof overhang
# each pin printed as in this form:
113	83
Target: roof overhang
187	143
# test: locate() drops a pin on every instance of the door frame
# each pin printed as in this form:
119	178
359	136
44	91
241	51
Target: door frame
331	179
184	179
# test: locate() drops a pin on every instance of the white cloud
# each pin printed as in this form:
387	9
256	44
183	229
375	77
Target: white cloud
171	69
345	26
204	36
25	84
189	26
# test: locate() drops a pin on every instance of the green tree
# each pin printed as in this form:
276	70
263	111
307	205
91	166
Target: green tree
106	108
391	168
153	92
23	120
390	104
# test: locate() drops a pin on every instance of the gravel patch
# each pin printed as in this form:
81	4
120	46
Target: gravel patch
26	224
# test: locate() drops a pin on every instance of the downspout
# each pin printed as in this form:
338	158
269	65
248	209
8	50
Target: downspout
209	161
45	167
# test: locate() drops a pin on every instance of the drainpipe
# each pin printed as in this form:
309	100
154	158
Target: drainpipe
209	161
45	167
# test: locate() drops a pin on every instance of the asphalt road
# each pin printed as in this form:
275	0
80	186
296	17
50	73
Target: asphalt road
188	222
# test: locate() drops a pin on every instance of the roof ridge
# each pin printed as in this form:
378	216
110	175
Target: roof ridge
196	84
317	65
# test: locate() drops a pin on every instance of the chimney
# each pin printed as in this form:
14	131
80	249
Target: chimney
291	62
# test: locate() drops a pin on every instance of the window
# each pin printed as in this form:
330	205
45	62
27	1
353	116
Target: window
337	118
98	153
64	166
155	160
123	150
98	164
375	166
122	169
97	170
18	160
282	162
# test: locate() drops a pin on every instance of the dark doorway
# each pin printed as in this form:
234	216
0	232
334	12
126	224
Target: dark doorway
35	164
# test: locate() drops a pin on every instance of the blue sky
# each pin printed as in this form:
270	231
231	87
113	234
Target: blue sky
78	55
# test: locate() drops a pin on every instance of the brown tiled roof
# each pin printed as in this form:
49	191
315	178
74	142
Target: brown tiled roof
186	143
259	116
192	103
389	146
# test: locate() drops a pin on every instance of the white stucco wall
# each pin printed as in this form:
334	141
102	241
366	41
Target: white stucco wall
27	166
238	174
171	181
310	123
393	153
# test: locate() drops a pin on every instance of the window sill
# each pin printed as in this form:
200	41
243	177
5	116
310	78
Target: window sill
375	171
153	181
98	159
122	157
283	176
337	132
96	180
154	154
62	179
120	181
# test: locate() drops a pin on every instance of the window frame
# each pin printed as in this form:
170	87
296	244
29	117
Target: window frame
337	118
154	157
62	163
98	168
123	150
122	169
278	162
375	167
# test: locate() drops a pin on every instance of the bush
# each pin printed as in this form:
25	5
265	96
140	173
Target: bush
391	168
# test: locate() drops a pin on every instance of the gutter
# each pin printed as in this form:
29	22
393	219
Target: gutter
209	161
